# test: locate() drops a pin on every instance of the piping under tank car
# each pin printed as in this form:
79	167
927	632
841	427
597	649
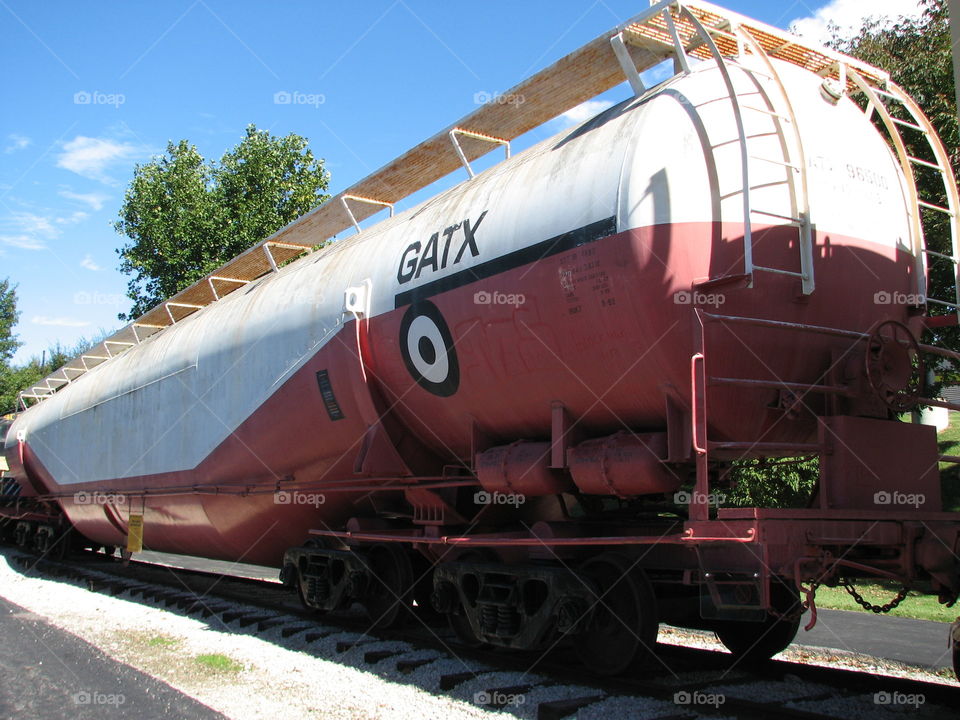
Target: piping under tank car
517	402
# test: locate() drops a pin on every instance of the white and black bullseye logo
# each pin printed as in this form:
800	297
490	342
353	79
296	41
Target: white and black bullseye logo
427	348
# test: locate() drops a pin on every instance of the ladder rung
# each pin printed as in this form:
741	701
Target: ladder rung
798	221
886	93
791	273
941	255
776	162
936	207
744	66
918	161
766	112
908	124
724	33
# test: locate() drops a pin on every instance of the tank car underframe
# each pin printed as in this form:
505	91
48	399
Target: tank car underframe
748	573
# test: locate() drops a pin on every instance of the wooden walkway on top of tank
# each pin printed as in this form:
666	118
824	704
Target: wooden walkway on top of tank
667	29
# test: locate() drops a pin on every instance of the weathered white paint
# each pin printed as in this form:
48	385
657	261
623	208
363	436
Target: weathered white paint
167	403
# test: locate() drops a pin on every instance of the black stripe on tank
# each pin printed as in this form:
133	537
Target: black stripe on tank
524	256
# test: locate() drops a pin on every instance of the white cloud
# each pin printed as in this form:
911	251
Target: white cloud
58	321
74	217
584	111
33	224
89	264
849	16
24	242
16	142
90	157
29	231
94	200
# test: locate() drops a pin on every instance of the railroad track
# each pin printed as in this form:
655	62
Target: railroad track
690	682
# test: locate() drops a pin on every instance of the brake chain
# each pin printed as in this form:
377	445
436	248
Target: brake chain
867	605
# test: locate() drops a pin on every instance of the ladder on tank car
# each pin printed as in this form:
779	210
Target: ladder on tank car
793	161
881	101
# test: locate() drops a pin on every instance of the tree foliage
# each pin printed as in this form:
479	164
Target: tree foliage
14	378
186	216
8	318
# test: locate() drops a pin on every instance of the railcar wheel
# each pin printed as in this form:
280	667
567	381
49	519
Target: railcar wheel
293	572
23	535
622	628
389	597
758	641
458	620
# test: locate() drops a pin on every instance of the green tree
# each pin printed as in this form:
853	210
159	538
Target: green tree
186	216
8	318
14	378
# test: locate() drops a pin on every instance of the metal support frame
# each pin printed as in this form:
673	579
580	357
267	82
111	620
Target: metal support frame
942	165
270	258
800	199
477	136
359	198
741	136
626	62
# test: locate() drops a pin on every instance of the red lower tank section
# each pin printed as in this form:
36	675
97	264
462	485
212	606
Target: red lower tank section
609	329
605	329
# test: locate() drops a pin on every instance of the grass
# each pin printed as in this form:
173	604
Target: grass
948	443
219	663
163	641
918	604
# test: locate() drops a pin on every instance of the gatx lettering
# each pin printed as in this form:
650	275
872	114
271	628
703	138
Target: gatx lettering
435	254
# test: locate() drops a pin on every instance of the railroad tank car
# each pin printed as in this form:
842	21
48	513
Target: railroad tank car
486	402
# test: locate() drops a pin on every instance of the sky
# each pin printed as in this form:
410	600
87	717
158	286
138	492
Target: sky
90	89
